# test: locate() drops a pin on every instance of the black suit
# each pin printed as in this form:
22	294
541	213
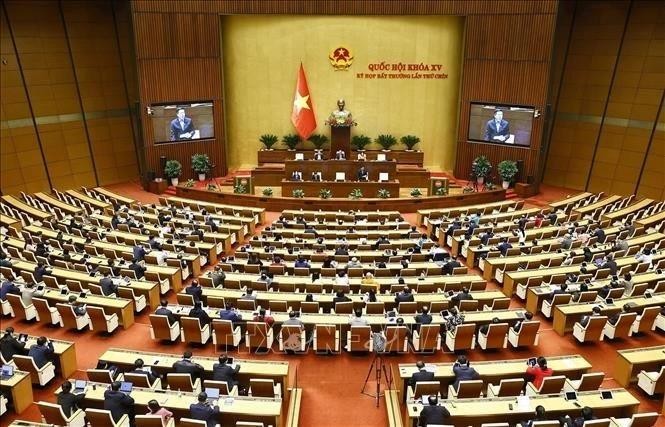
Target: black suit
39	273
403	297
492	130
205	412
108	287
151	375
166	312
41	354
194	291
185	366
423	319
69	402
9	346
200	314
341	299
612	265
450	266
118	403
177	129
421	375
226	373
138	270
433	415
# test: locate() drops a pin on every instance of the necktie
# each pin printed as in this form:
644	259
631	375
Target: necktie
182	124
497	125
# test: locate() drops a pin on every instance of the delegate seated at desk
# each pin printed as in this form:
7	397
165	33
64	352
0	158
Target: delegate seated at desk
340	155
363	175
296	176
318	155
316	176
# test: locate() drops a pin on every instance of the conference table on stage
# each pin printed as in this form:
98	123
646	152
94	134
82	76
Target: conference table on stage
344	215
369	189
493	371
19	387
163	363
565	315
329	168
474	412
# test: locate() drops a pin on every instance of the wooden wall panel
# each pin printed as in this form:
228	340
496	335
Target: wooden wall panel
506	59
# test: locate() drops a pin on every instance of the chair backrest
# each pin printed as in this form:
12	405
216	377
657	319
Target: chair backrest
181	382
149	421
246	304
591	381
501	304
595	328
625	323
546	424
27	364
646	320
407	307
191	328
52	413
223	330
377	307
496	335
279	306
469	388
395	337
587	296
510	387
647	419
160	326
464	336
427	388
561	299
139	380
257	333
262	387
98	318
429	336
190	422
99	417
605	422
222	386
44	310
249	424
552	385
184	299
360	337
67	315
468	305
17	305
99	375
309	306
528	332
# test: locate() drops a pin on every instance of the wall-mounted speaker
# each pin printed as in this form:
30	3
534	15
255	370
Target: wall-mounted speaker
162	165
520	171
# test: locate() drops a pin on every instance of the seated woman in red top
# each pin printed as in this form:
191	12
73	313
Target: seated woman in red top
539	372
261	317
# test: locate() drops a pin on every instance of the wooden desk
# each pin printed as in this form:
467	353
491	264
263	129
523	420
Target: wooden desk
64	352
243	408
651	220
321	226
124	308
10	222
158	187
630	209
341	188
259	214
64	207
633	360
562	204
115	196
89	200
466	412
588	209
254	368
20	390
141	287
328	168
503	205
493	371
311	215
26	208
565	315
535	295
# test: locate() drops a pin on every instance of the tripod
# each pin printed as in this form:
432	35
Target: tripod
378	366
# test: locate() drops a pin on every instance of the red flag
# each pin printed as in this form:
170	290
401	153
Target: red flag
302	116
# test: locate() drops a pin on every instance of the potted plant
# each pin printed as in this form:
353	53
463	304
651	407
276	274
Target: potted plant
269	140
189	183
318	140
409	141
298	193
415	192
386	141
489	186
383	193
356	193
267	192
468	189
481	167
291	141
507	171
212	187
201	165
360	142
240	189
441	191
172	170
325	193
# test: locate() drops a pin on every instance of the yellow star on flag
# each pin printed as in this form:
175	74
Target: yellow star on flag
300	102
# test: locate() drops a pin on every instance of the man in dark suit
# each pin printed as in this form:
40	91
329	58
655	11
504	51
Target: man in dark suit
41	352
67	400
210	223
517	327
463	372
107	285
497	129
595	312
460	296
195	291
424	318
154	244
611	264
433	413
218	276
450	266
504	246
164	311
182	127
4	262
222	371
340	297
600	234
9	345
40	271
138	252
186	366
138	269
563	289
198	312
229	313
404	296
204	411
118	403
140	370
456	225
363	175
540	415
8	287
421	375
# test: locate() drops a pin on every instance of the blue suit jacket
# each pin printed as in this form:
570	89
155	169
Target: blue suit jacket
41	354
177	130
491	130
204	412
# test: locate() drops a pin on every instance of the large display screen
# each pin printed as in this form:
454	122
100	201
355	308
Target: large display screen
179	122
501	124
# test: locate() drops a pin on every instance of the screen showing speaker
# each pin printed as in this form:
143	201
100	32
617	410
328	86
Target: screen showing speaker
181	121
501	124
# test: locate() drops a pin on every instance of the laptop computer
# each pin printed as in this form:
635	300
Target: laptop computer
7	371
79	385
212	393
126	387
23	337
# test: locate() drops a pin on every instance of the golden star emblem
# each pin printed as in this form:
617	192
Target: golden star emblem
300	102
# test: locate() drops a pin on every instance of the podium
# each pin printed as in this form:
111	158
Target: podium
340	139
